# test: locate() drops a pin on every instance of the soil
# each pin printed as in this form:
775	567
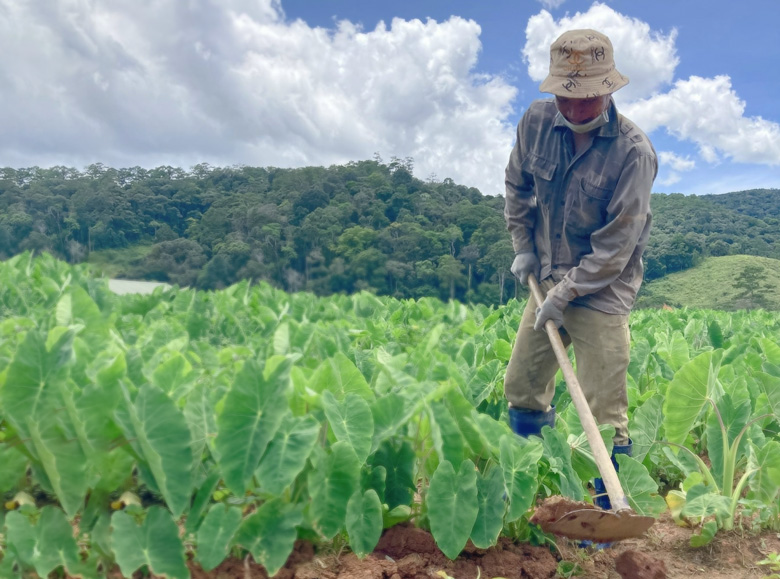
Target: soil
405	552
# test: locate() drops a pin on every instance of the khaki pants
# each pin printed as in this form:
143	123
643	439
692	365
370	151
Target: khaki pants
602	352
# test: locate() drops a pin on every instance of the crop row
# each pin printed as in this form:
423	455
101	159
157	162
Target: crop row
186	425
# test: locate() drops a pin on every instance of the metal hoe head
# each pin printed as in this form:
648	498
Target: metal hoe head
599	526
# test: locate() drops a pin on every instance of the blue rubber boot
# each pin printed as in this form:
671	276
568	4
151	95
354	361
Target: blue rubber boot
525	422
601	500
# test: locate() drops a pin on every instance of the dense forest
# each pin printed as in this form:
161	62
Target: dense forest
364	225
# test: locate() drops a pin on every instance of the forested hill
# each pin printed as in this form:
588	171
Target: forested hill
365	225
688	228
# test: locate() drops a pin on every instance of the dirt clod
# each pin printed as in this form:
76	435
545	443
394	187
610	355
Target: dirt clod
636	565
553	508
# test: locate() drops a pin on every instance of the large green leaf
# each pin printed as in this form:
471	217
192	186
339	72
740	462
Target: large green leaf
519	464
216	533
254	409
452	506
645	424
390	413
582	455
491	503
701	502
675	351
770	386
733	416
340	375
484	381
201	419
707	534
771	350
461	409
688	392
270	533
640	357
77	307
640	488
94	409
21	538
503	350
364	522
558	453
287	453
447	439
491	430
202	499
351	421
29	392
174	375
331	486
155	543
397	458
164	440
765	480
13	468
64	462
56	546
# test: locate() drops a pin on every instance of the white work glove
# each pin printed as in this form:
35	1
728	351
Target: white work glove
548	311
526	263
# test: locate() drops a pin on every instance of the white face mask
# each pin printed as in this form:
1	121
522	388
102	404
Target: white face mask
599	121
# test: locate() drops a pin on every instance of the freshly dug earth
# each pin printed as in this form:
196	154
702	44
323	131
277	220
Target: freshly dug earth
636	565
555	507
403	552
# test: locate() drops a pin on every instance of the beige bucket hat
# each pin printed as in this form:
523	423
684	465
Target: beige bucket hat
582	65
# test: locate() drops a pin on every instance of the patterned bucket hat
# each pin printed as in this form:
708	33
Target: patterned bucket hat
582	65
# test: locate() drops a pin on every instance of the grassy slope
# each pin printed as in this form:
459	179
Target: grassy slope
710	285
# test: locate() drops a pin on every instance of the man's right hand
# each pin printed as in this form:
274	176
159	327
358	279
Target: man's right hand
526	263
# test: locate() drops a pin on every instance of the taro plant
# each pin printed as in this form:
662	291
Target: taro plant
716	405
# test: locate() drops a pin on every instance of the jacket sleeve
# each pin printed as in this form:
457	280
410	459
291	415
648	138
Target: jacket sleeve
520	203
614	244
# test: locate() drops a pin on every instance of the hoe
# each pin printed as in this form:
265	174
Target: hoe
583	521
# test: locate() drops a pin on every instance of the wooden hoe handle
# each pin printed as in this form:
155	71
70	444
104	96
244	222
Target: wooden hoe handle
607	470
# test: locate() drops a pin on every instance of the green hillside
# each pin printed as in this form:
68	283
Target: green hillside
730	282
366	225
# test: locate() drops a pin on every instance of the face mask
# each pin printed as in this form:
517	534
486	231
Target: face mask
599	121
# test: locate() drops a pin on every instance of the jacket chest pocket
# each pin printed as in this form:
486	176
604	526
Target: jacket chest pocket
543	172
586	206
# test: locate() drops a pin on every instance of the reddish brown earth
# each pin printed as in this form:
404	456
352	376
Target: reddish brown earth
405	552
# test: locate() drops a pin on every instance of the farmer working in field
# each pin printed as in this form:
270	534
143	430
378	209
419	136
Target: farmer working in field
578	208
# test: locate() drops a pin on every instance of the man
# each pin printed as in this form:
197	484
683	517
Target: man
578	188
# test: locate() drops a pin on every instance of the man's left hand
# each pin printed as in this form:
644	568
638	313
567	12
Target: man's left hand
548	311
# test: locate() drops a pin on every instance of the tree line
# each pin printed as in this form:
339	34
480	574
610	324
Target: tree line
366	225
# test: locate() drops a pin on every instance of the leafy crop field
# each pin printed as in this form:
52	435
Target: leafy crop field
181	428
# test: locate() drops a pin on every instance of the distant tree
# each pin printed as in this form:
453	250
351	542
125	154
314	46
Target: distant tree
178	261
449	272
753	289
498	261
470	255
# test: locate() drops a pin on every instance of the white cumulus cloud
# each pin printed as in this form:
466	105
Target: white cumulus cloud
180	82
552	4
708	112
672	165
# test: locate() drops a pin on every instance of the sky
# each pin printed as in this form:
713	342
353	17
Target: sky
292	83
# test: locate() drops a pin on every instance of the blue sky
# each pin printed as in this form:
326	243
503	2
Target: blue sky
305	82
